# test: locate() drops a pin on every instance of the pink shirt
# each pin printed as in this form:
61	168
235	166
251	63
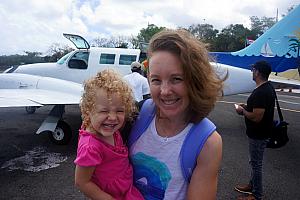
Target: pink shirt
113	172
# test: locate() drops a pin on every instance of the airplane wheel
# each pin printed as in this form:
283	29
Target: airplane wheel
62	133
30	109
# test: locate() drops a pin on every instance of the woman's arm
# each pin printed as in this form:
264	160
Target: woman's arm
83	181
204	180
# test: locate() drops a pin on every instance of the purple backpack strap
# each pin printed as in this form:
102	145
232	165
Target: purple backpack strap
142	122
192	146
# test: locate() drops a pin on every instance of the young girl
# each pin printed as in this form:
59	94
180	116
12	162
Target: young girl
102	169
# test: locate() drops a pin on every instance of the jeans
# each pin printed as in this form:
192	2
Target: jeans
256	153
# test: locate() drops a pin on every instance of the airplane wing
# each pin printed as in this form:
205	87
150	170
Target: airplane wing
18	89
35	97
282	82
29	90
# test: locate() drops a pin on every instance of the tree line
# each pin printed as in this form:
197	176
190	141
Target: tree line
231	38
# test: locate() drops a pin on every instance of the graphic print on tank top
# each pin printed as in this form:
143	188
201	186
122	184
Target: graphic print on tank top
151	176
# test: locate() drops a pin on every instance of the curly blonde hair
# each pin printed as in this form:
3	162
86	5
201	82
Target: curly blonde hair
112	83
203	85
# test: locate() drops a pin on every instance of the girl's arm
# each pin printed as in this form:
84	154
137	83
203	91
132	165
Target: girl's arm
204	180
83	181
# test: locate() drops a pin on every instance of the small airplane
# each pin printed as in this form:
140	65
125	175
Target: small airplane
279	46
60	83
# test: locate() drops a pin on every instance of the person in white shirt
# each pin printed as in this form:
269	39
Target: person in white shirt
138	83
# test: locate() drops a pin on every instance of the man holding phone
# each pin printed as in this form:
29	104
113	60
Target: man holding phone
258	113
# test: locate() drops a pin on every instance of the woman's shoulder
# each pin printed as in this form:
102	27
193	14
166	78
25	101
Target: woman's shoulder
214	140
212	146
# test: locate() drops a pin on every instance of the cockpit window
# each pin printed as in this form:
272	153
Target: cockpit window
79	60
63	59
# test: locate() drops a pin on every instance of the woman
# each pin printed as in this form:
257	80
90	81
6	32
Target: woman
184	89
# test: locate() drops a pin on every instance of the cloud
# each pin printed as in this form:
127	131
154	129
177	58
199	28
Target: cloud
33	25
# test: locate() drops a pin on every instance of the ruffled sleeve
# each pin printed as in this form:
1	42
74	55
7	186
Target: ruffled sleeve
88	156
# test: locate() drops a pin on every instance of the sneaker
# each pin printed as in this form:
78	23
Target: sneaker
248	197
245	189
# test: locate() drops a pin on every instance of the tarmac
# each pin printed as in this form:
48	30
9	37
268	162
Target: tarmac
31	167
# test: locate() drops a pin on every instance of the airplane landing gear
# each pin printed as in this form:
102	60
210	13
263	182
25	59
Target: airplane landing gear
62	133
59	131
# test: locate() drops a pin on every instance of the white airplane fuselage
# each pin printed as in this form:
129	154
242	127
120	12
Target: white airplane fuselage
93	60
239	80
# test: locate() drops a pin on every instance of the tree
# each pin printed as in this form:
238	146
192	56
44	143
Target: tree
32	57
56	51
261	25
112	42
119	41
204	32
222	42
231	38
99	42
13	60
134	42
33	54
146	33
123	45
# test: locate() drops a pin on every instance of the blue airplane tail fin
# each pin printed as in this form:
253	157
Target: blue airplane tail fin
280	46
280	40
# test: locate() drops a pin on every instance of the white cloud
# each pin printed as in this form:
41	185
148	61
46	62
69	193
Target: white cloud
33	25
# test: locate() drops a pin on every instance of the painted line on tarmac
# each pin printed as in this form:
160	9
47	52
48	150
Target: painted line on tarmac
228	102
291	110
286	109
279	95
290	102
289	96
283	101
295	91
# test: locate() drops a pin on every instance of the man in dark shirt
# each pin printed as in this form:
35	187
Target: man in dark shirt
258	114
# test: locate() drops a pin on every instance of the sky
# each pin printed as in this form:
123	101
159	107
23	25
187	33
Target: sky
34	25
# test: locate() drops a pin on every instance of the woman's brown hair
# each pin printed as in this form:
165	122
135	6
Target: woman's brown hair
203	84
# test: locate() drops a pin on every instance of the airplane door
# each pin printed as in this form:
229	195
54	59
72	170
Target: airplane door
78	41
77	66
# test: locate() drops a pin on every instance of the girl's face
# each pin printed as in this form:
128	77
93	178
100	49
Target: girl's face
108	116
167	84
